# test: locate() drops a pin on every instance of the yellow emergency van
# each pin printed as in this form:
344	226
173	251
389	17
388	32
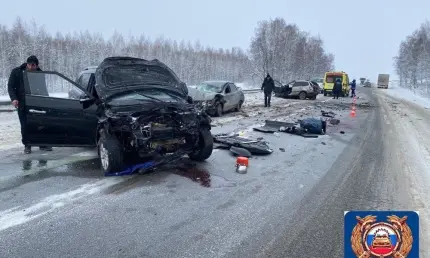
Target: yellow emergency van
330	78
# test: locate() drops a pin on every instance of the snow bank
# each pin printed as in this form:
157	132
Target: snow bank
408	95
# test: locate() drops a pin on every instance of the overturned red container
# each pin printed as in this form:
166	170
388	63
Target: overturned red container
242	165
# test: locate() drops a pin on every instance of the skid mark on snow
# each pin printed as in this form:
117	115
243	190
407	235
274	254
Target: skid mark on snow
20	215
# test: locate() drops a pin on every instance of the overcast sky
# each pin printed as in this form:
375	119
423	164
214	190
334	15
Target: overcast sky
364	35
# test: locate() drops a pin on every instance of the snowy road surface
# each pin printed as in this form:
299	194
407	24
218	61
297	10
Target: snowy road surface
289	204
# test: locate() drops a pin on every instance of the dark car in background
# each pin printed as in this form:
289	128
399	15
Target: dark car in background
130	107
217	97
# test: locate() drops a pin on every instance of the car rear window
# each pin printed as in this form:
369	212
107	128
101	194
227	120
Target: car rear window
331	78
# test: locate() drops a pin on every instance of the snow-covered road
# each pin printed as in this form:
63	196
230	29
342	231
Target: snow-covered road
59	203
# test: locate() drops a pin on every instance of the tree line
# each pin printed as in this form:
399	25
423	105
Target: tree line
277	47
412	63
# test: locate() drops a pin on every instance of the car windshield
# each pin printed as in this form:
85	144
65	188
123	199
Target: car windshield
115	77
139	97
210	87
332	78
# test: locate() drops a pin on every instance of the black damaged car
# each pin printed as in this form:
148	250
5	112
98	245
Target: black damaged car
131	108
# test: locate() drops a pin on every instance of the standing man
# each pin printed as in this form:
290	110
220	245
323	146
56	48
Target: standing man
337	88
353	85
268	86
17	96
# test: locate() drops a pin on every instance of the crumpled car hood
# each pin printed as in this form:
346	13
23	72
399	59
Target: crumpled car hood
199	95
120	74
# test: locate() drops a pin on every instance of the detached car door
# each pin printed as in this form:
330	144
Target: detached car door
52	117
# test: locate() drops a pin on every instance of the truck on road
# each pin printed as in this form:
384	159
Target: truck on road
383	80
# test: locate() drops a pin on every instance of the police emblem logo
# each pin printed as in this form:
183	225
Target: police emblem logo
382	235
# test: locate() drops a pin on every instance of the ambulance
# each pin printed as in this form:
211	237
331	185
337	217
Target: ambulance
331	77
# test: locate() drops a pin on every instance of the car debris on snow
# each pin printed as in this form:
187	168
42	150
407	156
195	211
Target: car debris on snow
241	152
328	114
272	126
308	128
257	147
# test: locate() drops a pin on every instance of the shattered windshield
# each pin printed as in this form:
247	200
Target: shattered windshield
210	87
127	76
139	97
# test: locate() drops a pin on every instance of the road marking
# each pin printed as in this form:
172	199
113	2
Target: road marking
20	215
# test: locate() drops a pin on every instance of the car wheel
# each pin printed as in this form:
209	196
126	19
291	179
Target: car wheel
239	106
111	154
218	110
302	95
204	146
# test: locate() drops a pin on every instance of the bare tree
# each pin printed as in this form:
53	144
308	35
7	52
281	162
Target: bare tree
277	47
412	63
288	53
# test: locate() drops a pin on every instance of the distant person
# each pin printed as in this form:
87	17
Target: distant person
17	96
268	87
353	85
337	88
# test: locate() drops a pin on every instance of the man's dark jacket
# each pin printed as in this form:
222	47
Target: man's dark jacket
15	86
337	87
268	85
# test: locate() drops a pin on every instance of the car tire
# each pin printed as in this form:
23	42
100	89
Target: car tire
302	95
204	146
239	106
110	154
218	109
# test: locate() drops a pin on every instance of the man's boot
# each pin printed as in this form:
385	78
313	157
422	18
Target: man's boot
27	149
45	148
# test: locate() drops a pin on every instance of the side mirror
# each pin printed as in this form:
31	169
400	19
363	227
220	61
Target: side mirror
86	101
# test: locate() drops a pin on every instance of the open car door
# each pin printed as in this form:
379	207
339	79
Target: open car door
52	117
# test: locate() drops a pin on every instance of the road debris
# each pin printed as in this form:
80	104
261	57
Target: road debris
272	126
328	114
240	152
257	147
308	127
334	121
314	125
282	149
342	132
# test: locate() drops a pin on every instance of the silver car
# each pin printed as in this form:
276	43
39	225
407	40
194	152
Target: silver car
298	89
218	96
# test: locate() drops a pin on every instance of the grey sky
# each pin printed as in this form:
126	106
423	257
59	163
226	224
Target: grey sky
364	35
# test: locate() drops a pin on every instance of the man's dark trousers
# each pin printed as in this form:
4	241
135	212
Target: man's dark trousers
267	97
336	94
23	121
